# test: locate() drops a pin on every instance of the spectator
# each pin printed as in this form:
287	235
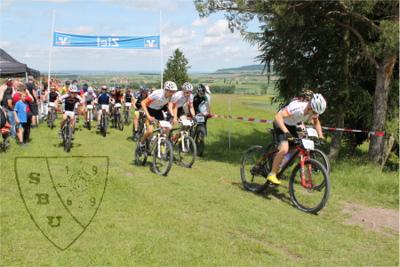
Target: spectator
21	117
7	104
21	88
33	104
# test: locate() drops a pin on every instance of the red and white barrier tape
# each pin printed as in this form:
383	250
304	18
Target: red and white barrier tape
330	129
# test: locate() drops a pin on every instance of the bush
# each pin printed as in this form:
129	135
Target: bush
223	89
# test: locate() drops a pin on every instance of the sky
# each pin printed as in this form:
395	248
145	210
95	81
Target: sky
208	44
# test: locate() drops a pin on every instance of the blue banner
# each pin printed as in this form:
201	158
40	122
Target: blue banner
130	42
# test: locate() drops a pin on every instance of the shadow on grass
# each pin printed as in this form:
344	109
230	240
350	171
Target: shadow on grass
217	147
272	191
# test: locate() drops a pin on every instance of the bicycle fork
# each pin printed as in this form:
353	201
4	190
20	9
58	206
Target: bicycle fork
305	182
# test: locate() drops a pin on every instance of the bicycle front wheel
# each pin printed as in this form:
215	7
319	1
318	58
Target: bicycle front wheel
187	151
162	156
67	138
309	192
254	169
199	140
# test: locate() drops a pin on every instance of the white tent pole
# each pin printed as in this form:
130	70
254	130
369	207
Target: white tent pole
51	48
161	51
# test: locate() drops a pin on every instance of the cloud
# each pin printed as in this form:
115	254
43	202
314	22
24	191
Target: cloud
4	4
5	44
199	22
78	30
177	37
219	34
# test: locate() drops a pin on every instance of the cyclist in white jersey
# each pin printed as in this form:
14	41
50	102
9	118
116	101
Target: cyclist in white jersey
285	126
155	104
181	99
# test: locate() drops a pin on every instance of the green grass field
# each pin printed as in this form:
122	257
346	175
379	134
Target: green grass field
193	217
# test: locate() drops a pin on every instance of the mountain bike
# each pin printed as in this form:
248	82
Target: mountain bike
198	133
159	147
185	144
89	116
127	112
103	120
67	134
309	185
51	117
141	126
117	119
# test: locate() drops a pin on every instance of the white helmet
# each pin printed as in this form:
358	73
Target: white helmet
170	86
73	89
90	90
318	103
187	86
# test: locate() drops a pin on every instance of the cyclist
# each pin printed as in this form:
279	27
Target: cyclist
104	100
138	97
89	99
154	105
201	101
54	97
181	99
285	126
71	101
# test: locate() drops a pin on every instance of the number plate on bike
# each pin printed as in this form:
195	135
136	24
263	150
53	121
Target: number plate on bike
186	122
118	105
51	104
308	144
165	124
128	104
199	118
89	106
311	132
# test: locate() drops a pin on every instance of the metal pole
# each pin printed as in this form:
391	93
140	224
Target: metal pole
51	48
230	120
161	51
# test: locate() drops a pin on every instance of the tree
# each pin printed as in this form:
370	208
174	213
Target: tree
176	70
325	45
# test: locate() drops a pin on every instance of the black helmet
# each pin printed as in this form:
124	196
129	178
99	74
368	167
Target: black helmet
201	88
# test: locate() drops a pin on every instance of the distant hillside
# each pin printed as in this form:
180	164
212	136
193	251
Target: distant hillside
248	68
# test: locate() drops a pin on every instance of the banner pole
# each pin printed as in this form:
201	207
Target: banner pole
230	121
51	48
161	51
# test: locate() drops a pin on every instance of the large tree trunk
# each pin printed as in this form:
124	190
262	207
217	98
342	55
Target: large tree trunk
383	76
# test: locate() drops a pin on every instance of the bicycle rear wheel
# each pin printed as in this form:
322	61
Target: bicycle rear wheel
162	157
311	193
200	140
140	154
320	156
187	151
254	169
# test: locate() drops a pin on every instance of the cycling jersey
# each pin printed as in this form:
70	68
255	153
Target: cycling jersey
118	97
179	99
139	98
157	99
128	98
197	100
89	98
70	102
296	111
53	96
104	99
